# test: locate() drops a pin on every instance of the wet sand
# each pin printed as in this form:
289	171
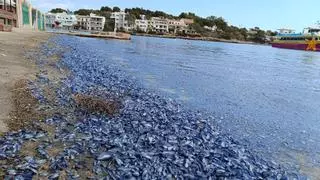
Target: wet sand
15	66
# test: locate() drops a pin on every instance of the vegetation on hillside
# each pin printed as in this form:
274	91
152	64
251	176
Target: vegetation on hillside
58	10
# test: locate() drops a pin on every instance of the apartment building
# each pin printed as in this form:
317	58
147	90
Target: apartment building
91	22
159	24
66	21
50	20
142	23
120	21
8	15
63	21
176	25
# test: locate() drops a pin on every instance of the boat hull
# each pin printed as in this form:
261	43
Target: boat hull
295	46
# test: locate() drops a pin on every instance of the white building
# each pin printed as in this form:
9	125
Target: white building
50	20
159	25
142	24
91	23
120	21
61	20
213	28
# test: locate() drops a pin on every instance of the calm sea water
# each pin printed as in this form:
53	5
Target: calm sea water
268	98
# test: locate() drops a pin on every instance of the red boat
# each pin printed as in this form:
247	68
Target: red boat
309	40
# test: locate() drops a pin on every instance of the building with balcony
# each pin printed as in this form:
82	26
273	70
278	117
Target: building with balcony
176	25
142	24
63	21
120	21
91	23
159	24
50	20
8	15
66	21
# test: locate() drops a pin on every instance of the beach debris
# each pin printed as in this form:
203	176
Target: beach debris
24	106
97	105
151	137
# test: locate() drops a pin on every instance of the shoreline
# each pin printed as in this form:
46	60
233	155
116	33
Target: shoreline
15	66
102	35
208	39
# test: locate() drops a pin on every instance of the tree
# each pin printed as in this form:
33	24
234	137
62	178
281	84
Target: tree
105	8
211	21
188	15
131	19
259	36
271	33
58	10
109	25
221	23
244	33
85	12
116	9
197	28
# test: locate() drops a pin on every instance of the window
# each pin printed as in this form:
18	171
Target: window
2	20
2	4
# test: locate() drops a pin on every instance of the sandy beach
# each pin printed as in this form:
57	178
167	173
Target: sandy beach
14	66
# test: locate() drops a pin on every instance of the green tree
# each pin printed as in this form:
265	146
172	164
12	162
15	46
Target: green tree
244	33
259	36
58	10
85	12
197	28
211	21
220	23
109	25
131	19
116	9
271	33
105	8
188	15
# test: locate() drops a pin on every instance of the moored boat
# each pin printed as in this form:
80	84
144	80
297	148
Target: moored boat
309	40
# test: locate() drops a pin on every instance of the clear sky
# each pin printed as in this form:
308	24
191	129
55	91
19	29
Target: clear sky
267	14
